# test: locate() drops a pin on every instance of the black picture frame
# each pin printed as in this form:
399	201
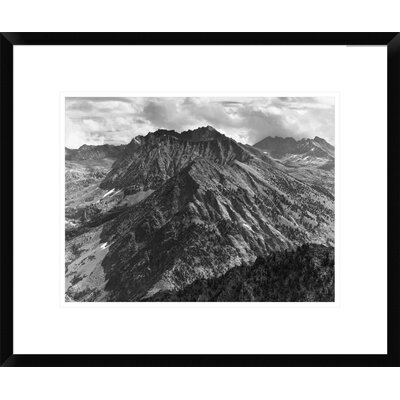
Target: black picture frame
9	40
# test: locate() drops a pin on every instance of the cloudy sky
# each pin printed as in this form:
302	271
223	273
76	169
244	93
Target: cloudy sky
116	120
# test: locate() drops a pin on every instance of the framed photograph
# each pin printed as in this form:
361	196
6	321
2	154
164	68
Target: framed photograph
199	199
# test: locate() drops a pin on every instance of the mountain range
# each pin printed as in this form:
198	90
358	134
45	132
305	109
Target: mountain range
170	209
304	152
87	152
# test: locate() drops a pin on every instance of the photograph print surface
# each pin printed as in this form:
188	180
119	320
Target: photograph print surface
199	199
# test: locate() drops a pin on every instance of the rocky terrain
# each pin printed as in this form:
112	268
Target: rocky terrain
170	209
304	274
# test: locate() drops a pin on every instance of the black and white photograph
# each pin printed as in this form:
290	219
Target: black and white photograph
200	199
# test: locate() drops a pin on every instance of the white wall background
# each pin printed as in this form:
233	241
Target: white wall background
357	323
209	15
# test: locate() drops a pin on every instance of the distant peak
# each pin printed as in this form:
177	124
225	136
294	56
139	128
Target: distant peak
94	152
135	140
319	139
97	146
277	139
291	139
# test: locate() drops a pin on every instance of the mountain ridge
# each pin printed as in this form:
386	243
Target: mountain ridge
161	154
278	147
94	152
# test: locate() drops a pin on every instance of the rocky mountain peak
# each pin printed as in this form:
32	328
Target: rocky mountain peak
322	142
159	155
204	133
164	132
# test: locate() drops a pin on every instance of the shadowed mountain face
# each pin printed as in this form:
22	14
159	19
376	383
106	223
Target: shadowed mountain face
175	208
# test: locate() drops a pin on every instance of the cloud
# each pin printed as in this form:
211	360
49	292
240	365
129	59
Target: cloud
101	99
98	120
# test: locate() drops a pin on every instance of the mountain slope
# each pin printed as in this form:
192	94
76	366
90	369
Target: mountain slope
85	168
305	274
309	160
